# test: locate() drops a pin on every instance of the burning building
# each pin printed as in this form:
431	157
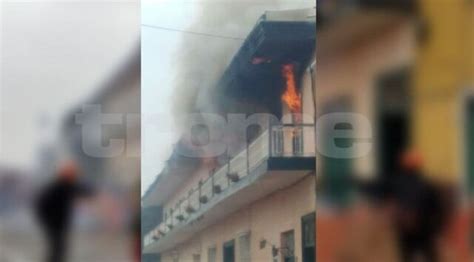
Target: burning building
255	202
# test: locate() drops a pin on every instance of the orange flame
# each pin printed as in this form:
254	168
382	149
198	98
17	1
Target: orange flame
291	97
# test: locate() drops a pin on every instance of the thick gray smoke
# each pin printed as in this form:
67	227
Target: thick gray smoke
203	59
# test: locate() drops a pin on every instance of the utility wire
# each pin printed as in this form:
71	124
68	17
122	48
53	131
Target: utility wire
190	32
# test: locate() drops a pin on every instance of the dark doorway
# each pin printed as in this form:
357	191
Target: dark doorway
393	118
394	139
308	237
229	251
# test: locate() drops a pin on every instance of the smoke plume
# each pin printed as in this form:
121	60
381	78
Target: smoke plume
203	59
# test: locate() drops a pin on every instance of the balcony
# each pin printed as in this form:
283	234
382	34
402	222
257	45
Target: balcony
278	38
279	157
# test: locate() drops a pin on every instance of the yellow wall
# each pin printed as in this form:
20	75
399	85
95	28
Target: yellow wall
443	72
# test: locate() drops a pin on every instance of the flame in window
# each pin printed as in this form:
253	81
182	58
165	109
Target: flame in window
291	97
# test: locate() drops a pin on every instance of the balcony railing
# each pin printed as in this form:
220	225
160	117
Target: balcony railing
286	141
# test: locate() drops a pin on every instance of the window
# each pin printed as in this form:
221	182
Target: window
244	248
277	141
297	141
287	247
308	235
229	251
211	254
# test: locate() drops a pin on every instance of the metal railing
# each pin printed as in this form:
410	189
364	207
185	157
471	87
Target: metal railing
287	140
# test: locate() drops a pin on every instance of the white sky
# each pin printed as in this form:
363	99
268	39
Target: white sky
53	54
159	52
159	49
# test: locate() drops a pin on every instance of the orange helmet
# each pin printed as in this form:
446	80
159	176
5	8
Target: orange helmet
68	171
411	159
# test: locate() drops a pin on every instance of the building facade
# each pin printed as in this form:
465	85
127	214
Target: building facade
256	202
406	67
365	64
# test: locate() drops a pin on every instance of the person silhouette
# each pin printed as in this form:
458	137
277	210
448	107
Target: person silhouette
54	209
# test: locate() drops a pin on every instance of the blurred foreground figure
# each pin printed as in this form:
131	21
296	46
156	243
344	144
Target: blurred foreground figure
403	220
421	214
54	209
